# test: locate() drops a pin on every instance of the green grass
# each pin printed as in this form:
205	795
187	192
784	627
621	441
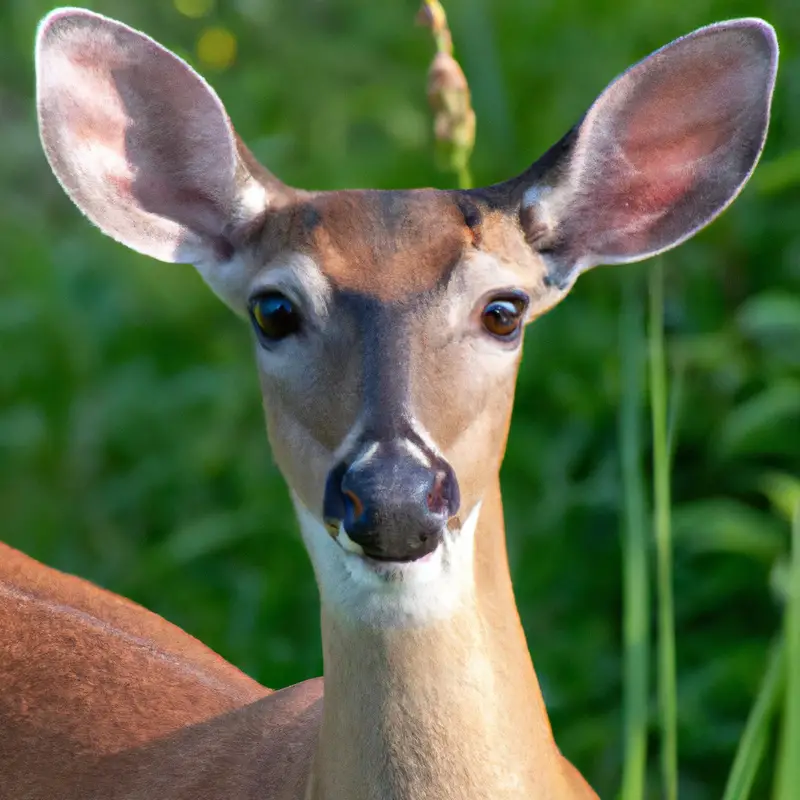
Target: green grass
784	658
667	680
635	543
753	743
782	674
788	771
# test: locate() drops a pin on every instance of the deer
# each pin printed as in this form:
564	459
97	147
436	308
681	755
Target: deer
387	329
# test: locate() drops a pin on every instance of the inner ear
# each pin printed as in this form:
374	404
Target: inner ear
140	142
662	151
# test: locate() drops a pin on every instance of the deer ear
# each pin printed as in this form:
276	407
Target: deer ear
140	142
663	150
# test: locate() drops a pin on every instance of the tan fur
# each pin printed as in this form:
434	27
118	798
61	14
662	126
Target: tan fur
445	712
381	248
452	710
380	243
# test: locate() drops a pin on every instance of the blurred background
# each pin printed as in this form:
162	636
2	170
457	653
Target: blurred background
132	449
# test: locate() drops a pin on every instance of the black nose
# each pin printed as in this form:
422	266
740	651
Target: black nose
394	500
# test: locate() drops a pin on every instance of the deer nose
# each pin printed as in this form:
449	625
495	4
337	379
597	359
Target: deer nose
392	500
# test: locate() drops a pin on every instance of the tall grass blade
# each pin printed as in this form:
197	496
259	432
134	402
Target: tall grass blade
667	690
753	743
635	538
788	772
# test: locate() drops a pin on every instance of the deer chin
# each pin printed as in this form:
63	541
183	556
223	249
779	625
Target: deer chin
391	593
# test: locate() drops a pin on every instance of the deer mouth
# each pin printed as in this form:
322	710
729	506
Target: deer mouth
381	558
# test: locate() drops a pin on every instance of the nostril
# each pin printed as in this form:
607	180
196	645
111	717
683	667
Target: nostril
443	496
354	508
334	504
437	496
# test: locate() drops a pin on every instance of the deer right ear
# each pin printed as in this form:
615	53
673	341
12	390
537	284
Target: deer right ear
140	142
663	150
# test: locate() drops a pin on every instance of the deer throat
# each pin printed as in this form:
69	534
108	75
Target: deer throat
448	708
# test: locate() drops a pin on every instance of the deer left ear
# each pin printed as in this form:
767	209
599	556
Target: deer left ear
663	150
143	146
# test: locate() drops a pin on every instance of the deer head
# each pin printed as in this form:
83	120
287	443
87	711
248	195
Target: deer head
388	325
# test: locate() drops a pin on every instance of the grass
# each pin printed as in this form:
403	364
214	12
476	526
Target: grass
635	543
753	743
667	680
782	674
781	682
788	771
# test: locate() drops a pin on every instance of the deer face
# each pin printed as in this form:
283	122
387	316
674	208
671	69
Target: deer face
388	325
388	348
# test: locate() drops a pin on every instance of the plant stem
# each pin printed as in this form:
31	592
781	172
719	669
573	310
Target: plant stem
753	743
464	175
636	598
667	688
788	770
449	98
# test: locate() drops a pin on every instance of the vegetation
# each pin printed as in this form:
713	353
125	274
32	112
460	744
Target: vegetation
132	442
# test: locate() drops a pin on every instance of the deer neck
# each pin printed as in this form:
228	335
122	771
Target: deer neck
450	709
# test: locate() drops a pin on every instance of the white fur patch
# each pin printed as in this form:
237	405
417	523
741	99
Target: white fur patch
392	595
227	279
415	452
253	199
425	437
535	195
347	543
233	281
366	456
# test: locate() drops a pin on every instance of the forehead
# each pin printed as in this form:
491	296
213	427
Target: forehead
386	244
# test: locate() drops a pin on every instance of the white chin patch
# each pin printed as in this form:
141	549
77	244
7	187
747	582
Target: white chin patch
346	543
391	593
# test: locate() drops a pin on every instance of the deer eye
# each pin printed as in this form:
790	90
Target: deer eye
274	316
502	317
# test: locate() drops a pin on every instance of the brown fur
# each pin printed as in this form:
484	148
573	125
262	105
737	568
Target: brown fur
381	244
452	710
102	699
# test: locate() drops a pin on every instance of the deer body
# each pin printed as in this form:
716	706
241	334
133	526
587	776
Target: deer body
103	699
121	704
387	331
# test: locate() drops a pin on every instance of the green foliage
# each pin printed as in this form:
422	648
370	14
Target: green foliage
788	772
132	442
662	530
753	744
